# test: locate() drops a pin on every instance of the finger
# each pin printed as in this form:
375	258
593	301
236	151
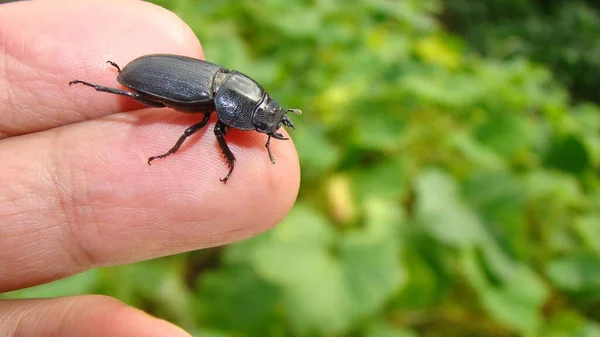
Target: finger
88	316
46	44
83	196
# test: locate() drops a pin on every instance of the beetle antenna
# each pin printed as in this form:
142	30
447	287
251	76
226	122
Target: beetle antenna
294	111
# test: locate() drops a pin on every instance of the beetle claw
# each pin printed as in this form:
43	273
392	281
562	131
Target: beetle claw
277	135
114	65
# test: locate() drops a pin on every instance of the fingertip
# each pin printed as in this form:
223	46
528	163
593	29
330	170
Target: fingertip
256	197
89	315
128	211
268	190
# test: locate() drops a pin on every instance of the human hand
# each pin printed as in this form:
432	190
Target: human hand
75	189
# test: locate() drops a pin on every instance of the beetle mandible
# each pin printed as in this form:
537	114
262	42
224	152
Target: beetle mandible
191	85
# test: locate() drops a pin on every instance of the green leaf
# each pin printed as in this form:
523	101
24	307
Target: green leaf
413	13
298	258
370	257
385	179
326	292
442	212
317	154
568	154
568	324
424	287
514	300
235	299
383	329
210	333
500	198
378	131
556	188
438	88
506	134
575	272
476	153
295	21
79	284
588	227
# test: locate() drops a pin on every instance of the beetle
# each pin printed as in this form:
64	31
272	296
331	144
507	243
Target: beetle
196	86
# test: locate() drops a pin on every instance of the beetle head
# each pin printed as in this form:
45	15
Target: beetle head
269	117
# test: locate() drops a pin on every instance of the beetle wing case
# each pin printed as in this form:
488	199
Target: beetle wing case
182	82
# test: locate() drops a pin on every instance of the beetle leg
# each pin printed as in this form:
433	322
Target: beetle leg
220	130
287	122
114	65
134	95
278	135
268	146
188	132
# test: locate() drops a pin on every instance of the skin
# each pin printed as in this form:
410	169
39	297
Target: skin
76	190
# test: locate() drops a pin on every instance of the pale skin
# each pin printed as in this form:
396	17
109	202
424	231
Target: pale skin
75	190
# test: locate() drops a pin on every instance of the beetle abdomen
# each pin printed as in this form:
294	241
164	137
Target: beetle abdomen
175	80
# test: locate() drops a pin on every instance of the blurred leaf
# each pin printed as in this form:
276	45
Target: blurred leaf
342	207
506	134
477	154
436	51
317	154
413	13
575	272
500	199
235	299
443	213
562	35
210	333
515	301
84	283
568	154
370	258
588	120
588	227
324	292
568	324
378	130
424	286
297	257
381	329
386	179
544	186
296	20
437	87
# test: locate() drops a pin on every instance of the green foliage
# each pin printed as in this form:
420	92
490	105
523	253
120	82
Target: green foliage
443	194
560	33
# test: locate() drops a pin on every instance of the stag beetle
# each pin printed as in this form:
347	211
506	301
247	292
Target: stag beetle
191	85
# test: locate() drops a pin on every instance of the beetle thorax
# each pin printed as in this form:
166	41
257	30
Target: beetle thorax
218	79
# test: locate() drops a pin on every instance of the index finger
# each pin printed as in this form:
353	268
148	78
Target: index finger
45	44
83	196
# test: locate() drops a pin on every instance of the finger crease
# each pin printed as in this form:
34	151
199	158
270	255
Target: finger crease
75	246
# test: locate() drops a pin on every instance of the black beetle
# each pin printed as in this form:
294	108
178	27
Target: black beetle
191	85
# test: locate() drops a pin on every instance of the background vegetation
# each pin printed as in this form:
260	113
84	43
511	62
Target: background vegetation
450	181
